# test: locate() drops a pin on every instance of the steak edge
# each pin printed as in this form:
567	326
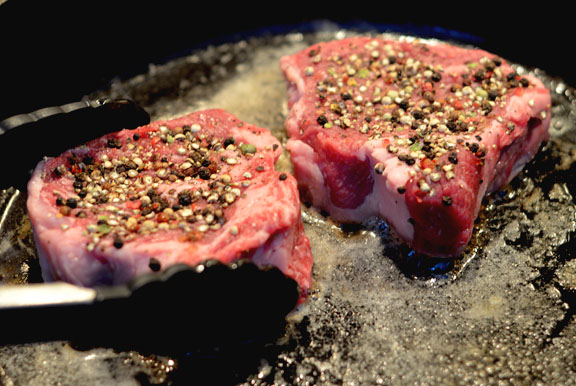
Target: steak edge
198	187
412	131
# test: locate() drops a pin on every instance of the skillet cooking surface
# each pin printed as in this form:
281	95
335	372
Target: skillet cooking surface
379	314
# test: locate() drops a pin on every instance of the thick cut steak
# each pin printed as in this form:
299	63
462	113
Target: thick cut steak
415	132
202	186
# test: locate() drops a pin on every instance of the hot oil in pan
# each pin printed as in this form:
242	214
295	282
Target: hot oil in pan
379	314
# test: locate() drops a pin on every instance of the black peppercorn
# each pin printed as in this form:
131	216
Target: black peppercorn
154	264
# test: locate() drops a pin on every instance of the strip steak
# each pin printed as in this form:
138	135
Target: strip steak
415	132
202	186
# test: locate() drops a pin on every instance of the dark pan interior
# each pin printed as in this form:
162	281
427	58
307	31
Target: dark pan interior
57	52
502	314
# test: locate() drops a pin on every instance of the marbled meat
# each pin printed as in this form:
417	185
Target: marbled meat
202	186
415	132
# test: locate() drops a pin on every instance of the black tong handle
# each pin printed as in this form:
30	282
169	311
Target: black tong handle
179	308
26	138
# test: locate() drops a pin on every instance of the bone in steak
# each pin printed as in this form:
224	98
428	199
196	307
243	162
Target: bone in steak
198	187
416	132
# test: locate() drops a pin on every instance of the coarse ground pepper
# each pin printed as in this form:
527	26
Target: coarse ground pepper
386	93
164	179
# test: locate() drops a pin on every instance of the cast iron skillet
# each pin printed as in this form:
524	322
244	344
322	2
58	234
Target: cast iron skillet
346	311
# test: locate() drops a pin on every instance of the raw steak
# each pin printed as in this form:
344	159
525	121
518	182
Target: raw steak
415	132
202	186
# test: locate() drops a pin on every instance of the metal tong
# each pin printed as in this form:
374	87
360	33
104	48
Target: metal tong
26	138
180	308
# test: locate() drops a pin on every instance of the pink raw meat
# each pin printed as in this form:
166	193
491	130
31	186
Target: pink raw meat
202	186
416	132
